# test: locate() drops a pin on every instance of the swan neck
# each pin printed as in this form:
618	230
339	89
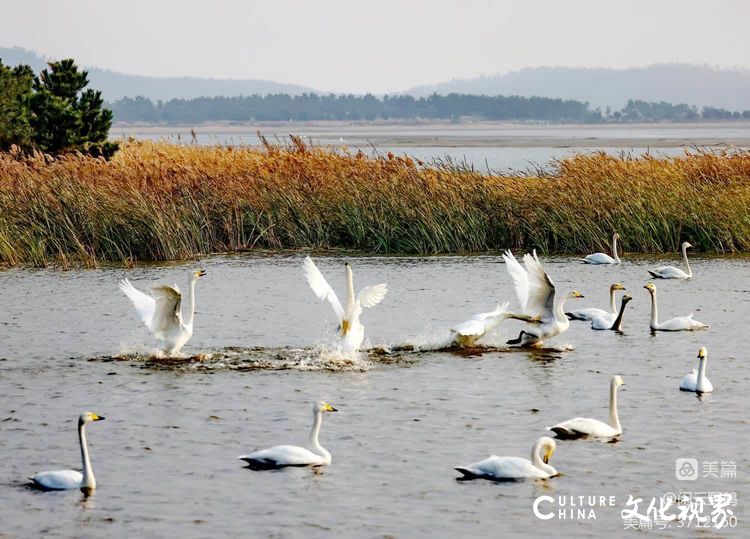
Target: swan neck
701	373
617	326
559	311
349	289
612	306
314	442
614	251
538	462
687	263
88	481
654	311
614	419
191	303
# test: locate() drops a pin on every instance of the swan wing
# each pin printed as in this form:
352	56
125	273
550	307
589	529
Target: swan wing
519	277
681	323
282	455
470	328
588	313
668	272
58	479
541	288
480	323
690	381
143	303
370	296
599	258
321	288
604	321
500	468
167	309
583	426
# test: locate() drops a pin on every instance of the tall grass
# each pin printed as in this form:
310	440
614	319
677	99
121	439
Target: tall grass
158	201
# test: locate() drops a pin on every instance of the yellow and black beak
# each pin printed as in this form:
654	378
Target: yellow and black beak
547	456
328	408
200	273
95	417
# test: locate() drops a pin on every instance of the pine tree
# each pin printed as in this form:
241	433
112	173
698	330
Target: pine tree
15	98
65	117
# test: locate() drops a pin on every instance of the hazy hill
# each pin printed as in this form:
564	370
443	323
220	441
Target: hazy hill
601	87
117	85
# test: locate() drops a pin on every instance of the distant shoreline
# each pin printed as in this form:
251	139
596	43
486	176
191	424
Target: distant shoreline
474	134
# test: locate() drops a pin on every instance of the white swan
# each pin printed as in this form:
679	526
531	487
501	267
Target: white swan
696	380
579	427
514	468
536	296
291	455
680	323
351	331
467	333
590	313
162	313
70	479
607	322
670	272
602	258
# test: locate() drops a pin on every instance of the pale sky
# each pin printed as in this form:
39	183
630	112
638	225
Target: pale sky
378	46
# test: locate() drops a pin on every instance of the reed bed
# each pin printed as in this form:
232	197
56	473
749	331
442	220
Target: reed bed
160	201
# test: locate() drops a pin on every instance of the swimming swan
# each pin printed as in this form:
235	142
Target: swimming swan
696	380
590	313
467	333
351	332
162	313
670	272
602	258
536	296
514	468
606	322
291	455
70	479
681	323
579	427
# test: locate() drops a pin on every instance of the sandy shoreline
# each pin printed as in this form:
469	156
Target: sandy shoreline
483	134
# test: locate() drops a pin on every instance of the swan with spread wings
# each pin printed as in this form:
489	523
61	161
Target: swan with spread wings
162	311
535	291
351	332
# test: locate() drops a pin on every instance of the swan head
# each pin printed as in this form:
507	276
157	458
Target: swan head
686	244
88	417
626	298
617	381
616	286
321	406
702	352
549	446
575	294
650	287
616	236
197	274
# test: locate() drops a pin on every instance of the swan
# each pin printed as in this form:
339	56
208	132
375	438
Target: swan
536	296
606	322
602	258
351	332
162	313
590	313
696	380
579	427
70	479
514	468
291	455
467	333
681	323
670	272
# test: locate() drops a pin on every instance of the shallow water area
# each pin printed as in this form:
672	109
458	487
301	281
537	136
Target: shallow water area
409	410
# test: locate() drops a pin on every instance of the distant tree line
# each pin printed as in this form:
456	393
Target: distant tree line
451	107
52	112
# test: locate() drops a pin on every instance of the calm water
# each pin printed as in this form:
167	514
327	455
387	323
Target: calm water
165	458
497	147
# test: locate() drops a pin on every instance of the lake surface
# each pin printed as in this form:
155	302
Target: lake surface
497	147
165	458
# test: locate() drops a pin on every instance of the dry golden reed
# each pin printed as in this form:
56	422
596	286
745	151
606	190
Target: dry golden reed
160	201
